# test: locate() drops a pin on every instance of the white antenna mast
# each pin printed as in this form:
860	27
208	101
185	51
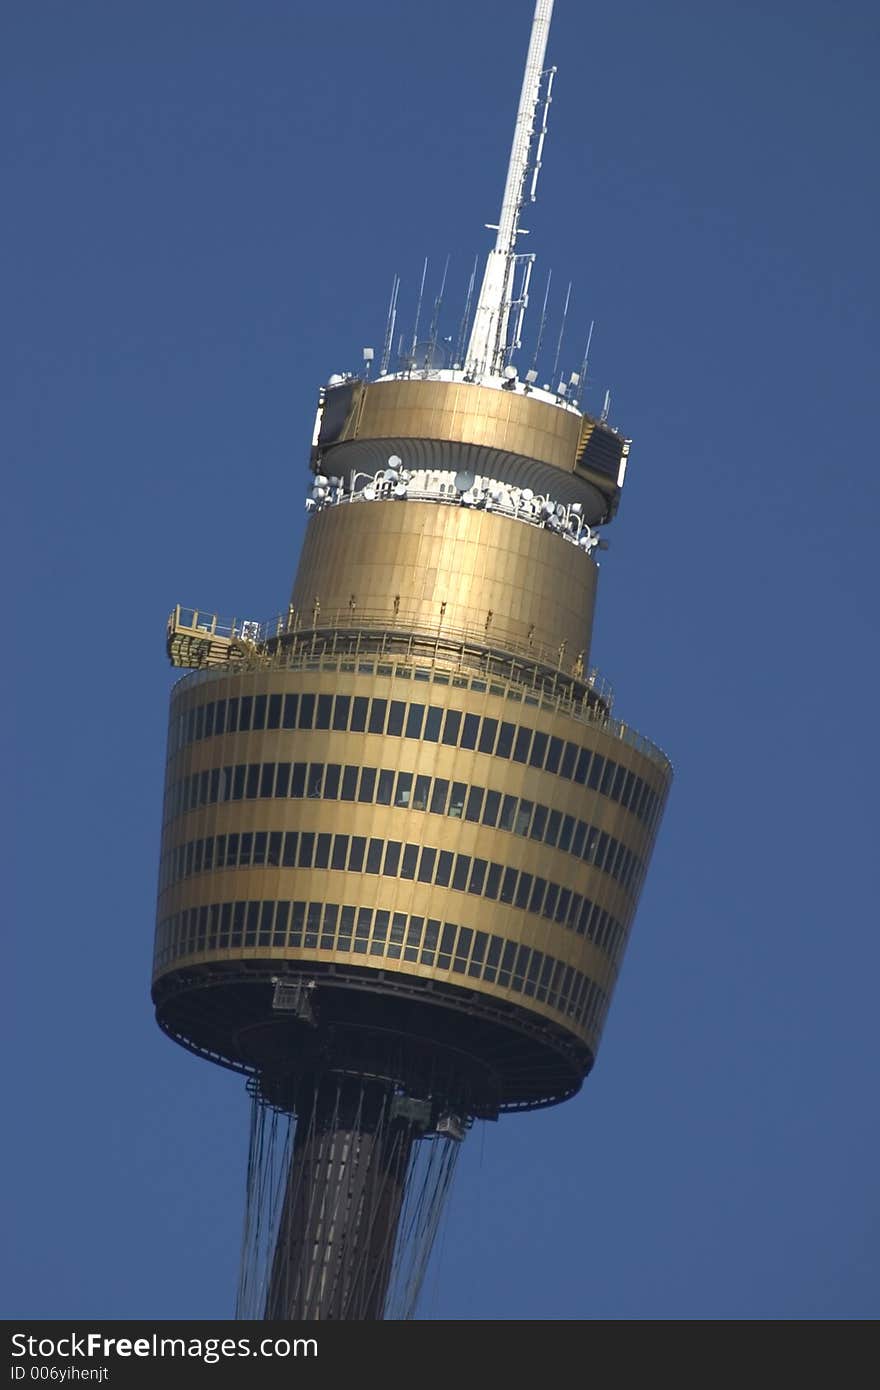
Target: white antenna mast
389	326
488	341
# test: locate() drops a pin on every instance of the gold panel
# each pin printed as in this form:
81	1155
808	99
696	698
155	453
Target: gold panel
448	569
464	413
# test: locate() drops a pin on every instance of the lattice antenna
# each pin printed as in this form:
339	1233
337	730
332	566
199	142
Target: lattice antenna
489	336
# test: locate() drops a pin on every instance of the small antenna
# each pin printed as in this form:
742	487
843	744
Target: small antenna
539	344
466	316
415	339
432	338
389	326
606	407
582	374
561	335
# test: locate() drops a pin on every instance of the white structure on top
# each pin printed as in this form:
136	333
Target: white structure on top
489	343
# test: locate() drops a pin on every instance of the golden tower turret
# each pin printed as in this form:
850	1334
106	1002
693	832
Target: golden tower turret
405	831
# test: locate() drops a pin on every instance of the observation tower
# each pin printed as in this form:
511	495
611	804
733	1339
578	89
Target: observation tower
405	829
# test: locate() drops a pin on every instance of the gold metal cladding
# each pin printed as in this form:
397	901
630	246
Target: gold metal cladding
401	823
435	565
464	413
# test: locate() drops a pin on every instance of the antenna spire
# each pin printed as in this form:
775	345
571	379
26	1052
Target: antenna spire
488	341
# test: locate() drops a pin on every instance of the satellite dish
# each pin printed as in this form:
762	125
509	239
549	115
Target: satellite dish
400	490
463	481
395	461
560	511
527	494
370	494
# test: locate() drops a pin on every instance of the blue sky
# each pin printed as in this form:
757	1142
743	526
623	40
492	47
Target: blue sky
204	206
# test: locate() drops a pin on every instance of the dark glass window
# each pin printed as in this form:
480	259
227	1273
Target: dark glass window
306	711
569	757
469	731
396	709
356	853
315	780
628	785
298	780
359	707
346	927
549	905
362	930
245	712
429	945
597	767
260	846
523	817
325	709
562	906
619	779
508	812
524	890
580	834
349	783
451	726
539	750
332	774
410	858
508	886
306	849
554	821
282	911
368	784
491	807
539	888
478	876
392	858
253	781
487	736
521	746
414	719
378	710
539	822
505	740
340	851
274	717
432	724
583	765
220	717
566	832
493	880
209	721
290	848
291	708
474	804
420	793
439	795
328	926
456	799
403	790
426	865
554	754
259	712
374	856
385	788
231	715
340	711
322	851
444	868
380	932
